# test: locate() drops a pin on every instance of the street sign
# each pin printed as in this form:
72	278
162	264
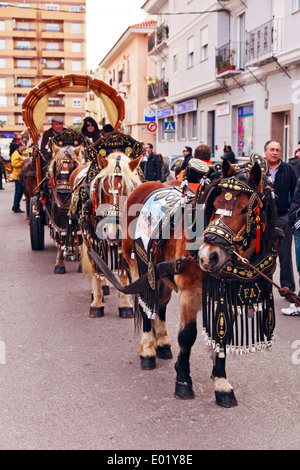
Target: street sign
149	115
169	127
152	126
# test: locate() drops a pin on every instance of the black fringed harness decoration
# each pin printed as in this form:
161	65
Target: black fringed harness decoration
161	211
238	305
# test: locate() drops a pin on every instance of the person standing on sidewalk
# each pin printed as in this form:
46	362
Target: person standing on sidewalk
16	161
284	183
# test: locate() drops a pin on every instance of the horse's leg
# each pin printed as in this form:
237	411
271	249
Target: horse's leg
190	301
125	306
59	267
105	286
161	334
97	307
223	390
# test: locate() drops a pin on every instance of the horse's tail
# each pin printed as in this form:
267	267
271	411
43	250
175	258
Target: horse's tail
85	262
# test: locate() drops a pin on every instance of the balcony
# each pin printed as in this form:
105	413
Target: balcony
157	39
230	59
158	90
264	42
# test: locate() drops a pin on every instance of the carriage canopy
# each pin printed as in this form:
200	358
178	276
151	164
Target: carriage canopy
36	103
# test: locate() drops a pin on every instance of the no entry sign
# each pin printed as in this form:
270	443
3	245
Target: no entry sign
152	126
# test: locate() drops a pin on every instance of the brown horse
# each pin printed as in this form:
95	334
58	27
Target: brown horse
100	222
28	180
64	161
192	267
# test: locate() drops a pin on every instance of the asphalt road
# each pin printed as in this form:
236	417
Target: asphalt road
70	382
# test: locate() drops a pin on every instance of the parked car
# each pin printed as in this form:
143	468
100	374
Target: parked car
173	161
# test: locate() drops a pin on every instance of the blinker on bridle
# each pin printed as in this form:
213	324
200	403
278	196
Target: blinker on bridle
219	233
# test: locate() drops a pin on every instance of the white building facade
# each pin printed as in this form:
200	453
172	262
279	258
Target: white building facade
233	74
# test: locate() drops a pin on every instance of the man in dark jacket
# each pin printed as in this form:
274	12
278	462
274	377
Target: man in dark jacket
150	165
188	154
284	183
57	126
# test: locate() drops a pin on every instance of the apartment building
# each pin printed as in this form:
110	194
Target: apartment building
233	74
127	68
39	40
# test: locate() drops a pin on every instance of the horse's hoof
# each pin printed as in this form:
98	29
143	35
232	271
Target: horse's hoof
164	352
126	312
148	363
96	312
105	290
184	391
227	400
59	270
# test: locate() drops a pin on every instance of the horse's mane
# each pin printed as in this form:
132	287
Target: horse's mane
129	179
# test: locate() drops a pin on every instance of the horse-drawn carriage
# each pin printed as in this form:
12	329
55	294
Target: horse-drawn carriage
33	111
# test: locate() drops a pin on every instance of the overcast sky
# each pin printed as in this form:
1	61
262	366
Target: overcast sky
106	22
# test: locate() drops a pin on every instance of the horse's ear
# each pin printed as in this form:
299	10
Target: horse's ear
227	168
55	148
135	163
102	162
255	175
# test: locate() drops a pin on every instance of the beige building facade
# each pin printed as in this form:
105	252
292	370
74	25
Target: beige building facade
127	69
39	40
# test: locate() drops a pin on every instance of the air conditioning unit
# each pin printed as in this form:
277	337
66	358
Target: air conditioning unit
43	61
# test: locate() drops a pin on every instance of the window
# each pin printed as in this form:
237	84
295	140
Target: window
2	82
20	100
52	6
193	125
23	64
24	82
3	101
22	26
24	5
52	46
52	27
190	45
3	119
2	44
77	120
245	130
3	5
76	28
175	58
204	43
74	8
296	5
2	63
76	65
182	126
76	47
23	45
53	64
76	103
2	25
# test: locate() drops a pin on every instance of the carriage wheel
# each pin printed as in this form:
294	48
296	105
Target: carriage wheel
8	172
36	225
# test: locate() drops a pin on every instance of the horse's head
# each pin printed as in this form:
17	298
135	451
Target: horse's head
237	210
64	161
109	190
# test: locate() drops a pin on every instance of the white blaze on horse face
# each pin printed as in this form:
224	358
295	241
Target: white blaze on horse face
113	233
211	257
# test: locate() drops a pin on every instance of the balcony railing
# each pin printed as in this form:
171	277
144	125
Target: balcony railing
157	38
158	90
230	57
264	41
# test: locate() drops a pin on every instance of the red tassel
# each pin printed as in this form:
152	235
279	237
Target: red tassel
94	205
257	239
52	182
